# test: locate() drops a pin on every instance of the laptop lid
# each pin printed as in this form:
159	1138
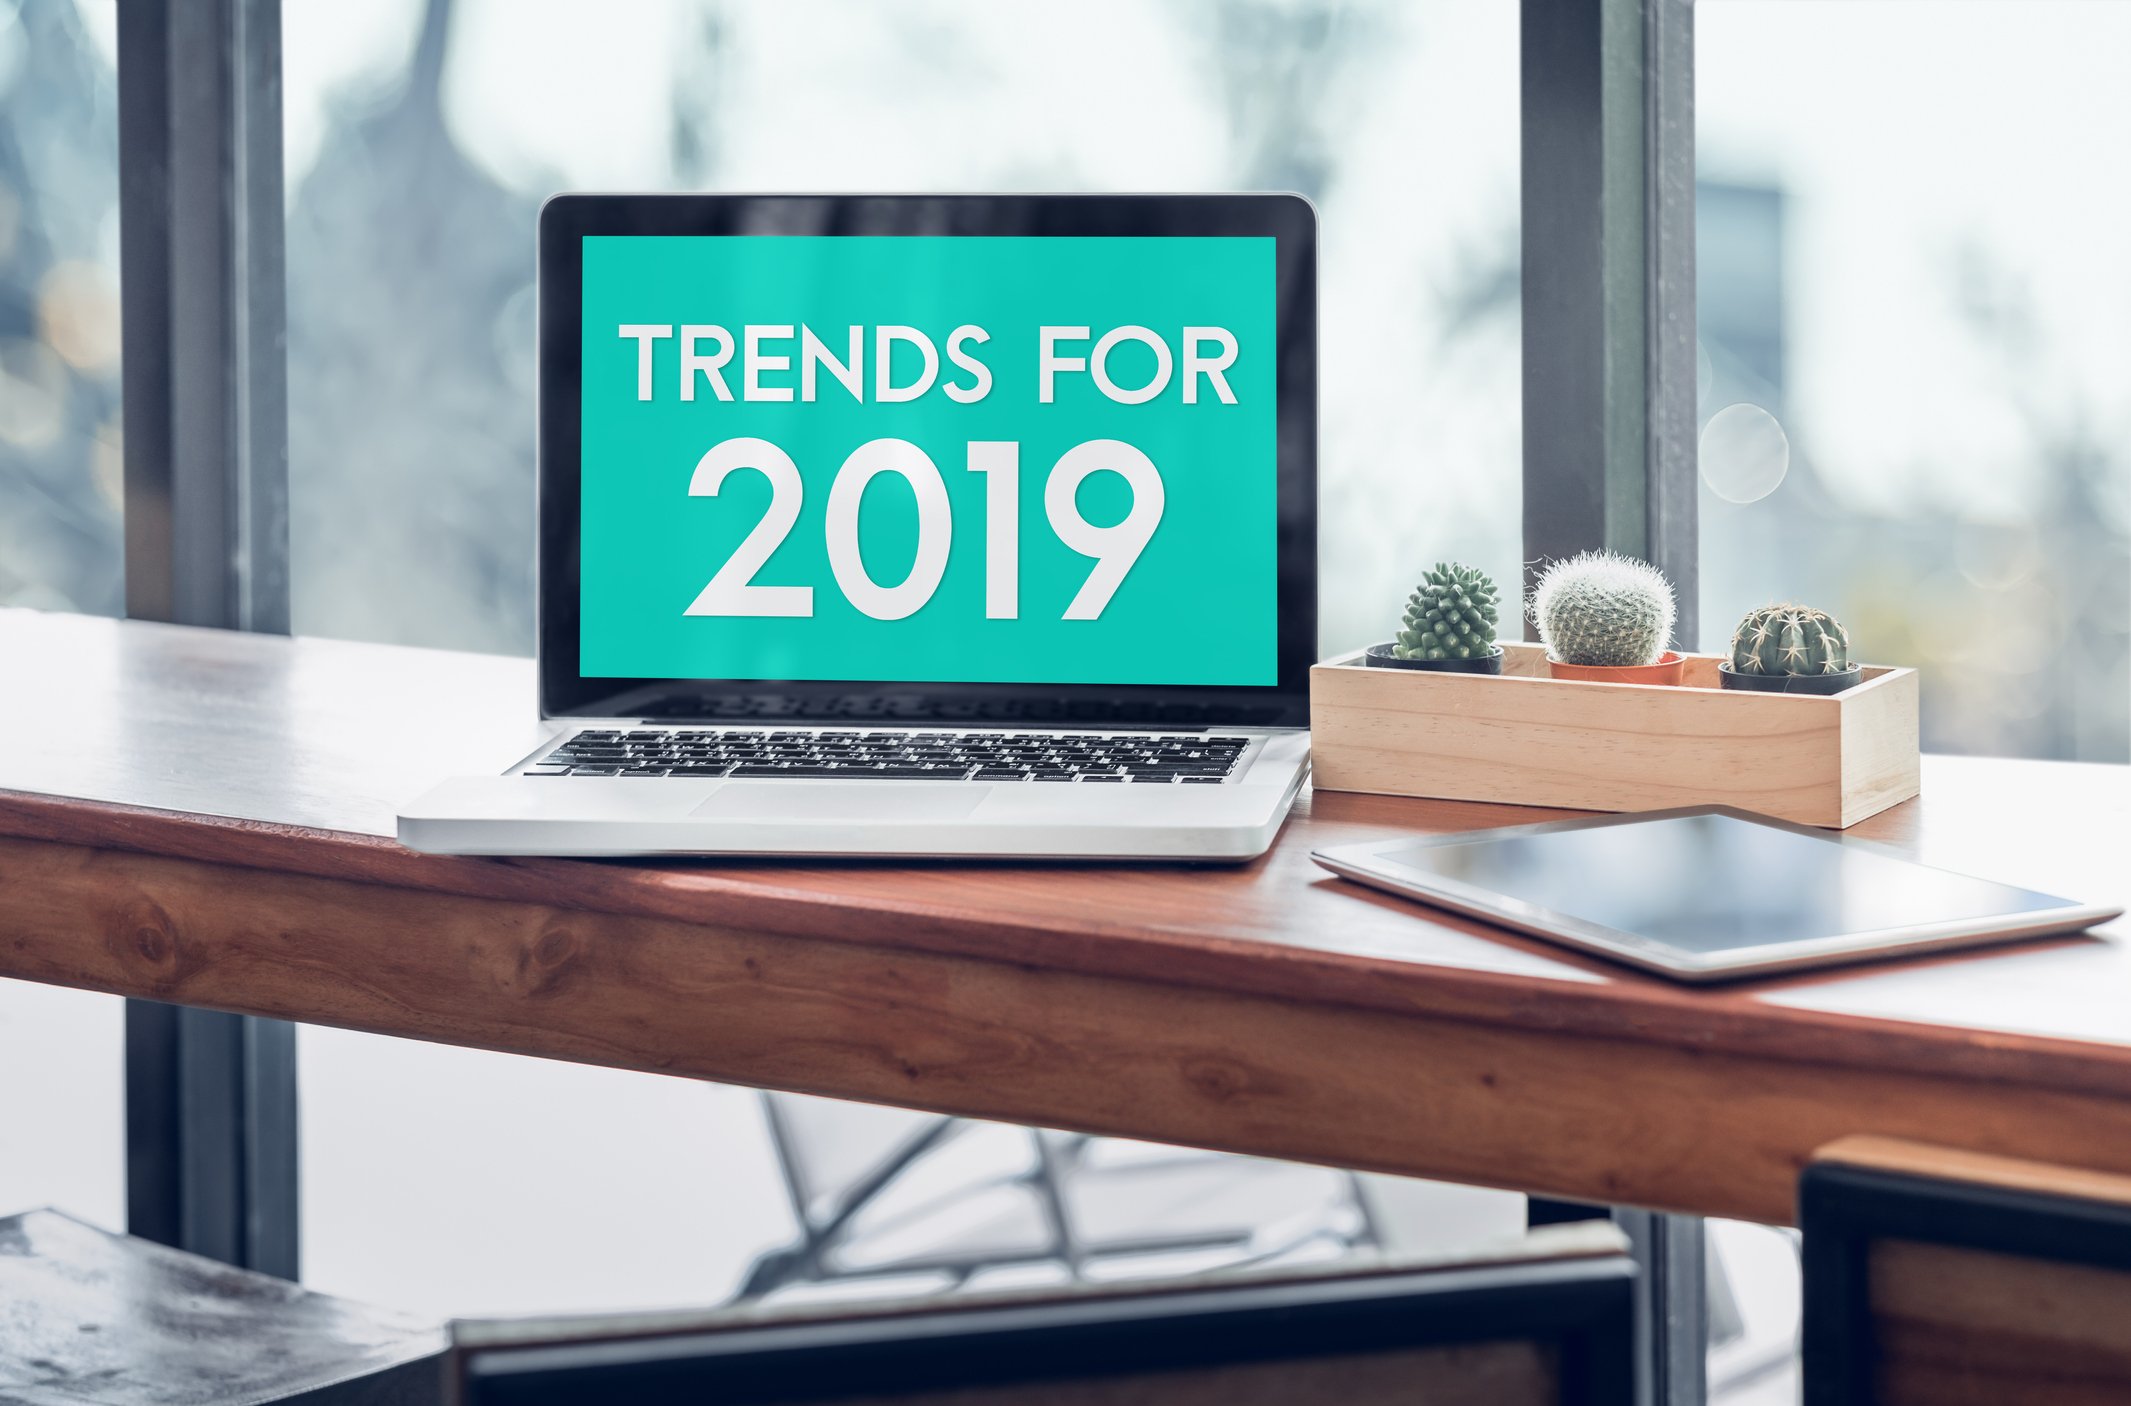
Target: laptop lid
1022	459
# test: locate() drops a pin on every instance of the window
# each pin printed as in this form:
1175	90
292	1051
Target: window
1916	368
1912	385
60	473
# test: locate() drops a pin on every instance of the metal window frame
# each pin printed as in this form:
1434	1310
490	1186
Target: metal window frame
1609	319
210	1097
1671	1295
1607	145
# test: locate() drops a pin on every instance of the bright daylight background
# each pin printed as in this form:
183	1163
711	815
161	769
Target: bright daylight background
1915	382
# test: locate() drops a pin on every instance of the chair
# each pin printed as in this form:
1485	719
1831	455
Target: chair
1957	1279
86	1316
1548	1323
883	1193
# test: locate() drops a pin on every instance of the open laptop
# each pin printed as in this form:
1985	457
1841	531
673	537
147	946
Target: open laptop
917	525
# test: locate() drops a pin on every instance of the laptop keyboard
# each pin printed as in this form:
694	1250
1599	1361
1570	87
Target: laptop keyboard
851	754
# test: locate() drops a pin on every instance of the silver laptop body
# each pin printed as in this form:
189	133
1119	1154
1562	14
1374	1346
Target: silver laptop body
518	813
974	767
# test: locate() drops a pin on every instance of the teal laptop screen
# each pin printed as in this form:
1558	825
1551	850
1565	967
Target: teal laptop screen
929	459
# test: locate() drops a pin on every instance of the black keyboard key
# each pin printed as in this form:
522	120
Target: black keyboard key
1100	776
1001	773
1200	780
595	771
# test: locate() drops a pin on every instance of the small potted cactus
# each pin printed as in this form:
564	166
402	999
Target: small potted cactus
1789	649
1606	618
1449	625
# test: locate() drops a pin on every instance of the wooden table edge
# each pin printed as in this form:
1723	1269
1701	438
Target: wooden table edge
1625	1007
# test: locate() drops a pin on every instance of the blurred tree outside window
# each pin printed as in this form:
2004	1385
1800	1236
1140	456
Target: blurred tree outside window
60	446
423	135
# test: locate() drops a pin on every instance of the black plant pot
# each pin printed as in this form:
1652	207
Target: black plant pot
1790	683
1381	657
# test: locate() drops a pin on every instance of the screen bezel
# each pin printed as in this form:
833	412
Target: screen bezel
566	693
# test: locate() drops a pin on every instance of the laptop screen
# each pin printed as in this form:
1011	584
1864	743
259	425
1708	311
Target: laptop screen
1006	459
980	458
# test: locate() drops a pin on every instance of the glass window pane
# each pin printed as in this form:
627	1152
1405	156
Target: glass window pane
59	345
1916	370
62	1102
461	1182
422	138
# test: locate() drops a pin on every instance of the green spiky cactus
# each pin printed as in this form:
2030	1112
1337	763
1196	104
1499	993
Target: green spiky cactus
1451	615
1790	639
1603	609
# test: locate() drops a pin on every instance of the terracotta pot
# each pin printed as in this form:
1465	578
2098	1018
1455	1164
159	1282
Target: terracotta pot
1666	670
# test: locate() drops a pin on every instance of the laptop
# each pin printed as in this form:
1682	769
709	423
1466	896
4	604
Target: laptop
954	526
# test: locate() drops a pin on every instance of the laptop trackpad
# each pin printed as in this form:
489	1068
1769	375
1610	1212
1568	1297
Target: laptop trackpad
863	800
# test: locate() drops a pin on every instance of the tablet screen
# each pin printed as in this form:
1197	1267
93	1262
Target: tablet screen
1708	884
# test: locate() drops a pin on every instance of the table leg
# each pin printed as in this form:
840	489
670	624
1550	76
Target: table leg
211	1134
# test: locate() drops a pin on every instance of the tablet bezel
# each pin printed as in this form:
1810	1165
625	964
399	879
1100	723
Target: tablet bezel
1370	864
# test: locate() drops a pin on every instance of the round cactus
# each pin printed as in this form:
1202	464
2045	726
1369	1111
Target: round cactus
1603	609
1451	615
1790	639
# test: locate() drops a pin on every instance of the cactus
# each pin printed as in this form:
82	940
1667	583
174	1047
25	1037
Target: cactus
1790	639
1451	615
1599	608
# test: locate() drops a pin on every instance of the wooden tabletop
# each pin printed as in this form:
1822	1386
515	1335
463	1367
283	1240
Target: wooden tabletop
204	817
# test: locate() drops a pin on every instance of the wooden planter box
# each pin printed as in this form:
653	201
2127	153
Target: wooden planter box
1522	738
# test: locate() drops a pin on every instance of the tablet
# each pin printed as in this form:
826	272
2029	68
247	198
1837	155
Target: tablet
1706	893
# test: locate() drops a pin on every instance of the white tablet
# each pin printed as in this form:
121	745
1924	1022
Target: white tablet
1707	893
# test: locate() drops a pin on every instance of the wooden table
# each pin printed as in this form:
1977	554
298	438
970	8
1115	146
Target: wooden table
203	818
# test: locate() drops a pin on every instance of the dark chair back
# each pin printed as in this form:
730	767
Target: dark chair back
1550	1324
1954	1279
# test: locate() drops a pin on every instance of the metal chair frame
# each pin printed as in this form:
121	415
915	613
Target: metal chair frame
1056	1158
